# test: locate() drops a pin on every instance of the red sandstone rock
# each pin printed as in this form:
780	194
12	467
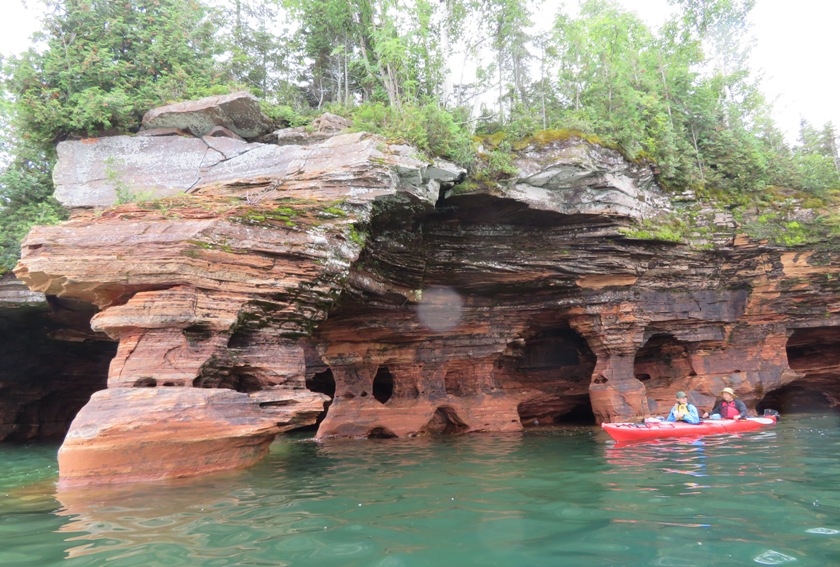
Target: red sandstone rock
338	265
177	432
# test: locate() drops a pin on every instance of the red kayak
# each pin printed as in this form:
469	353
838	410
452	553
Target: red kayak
660	429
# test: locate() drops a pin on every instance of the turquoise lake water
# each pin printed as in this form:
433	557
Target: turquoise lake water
565	496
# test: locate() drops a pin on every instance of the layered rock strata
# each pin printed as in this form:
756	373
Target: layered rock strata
345	268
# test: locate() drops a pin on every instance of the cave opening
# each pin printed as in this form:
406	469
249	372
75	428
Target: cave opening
796	397
445	421
383	385
381	433
815	354
556	410
322	382
238	378
661	361
559	363
52	364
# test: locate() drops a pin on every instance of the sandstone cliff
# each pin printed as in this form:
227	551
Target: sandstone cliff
262	279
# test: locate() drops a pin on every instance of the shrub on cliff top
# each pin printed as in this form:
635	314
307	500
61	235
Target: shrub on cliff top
101	64
430	129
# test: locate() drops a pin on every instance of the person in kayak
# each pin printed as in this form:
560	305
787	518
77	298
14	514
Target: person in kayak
728	407
683	411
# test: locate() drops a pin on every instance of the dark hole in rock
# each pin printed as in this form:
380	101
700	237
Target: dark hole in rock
323	383
231	378
277	403
197	333
815	354
556	409
145	382
445	421
381	433
662	360
383	385
51	362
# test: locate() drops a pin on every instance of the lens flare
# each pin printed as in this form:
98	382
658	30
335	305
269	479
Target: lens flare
440	308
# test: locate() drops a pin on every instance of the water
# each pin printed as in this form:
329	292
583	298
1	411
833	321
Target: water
555	497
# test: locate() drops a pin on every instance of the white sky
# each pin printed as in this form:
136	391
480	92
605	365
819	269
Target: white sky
797	50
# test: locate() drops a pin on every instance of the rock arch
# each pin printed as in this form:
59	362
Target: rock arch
558	363
445	421
663	360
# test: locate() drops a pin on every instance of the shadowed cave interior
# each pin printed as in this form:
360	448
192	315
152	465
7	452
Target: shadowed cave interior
814	353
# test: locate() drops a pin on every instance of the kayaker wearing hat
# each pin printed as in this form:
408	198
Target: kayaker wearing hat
729	407
683	411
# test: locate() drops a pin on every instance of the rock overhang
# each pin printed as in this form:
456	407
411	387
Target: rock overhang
332	242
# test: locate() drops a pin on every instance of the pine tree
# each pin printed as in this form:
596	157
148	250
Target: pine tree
97	66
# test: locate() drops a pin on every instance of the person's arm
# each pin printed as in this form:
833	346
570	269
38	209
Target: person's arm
742	408
692	416
671	415
715	409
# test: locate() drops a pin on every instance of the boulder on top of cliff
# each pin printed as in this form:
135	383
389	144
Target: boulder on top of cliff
238	112
320	129
570	175
332	123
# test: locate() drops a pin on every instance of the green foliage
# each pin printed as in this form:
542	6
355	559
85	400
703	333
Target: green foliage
376	51
25	199
427	127
666	228
286	116
15	224
98	66
102	64
255	55
776	229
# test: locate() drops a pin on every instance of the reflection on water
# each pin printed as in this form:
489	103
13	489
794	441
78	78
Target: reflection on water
565	496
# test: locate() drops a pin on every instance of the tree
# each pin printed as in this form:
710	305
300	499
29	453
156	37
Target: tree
384	50
98	65
103	63
257	54
507	23
817	157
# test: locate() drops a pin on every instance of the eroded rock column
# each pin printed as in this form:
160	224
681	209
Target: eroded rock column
614	334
